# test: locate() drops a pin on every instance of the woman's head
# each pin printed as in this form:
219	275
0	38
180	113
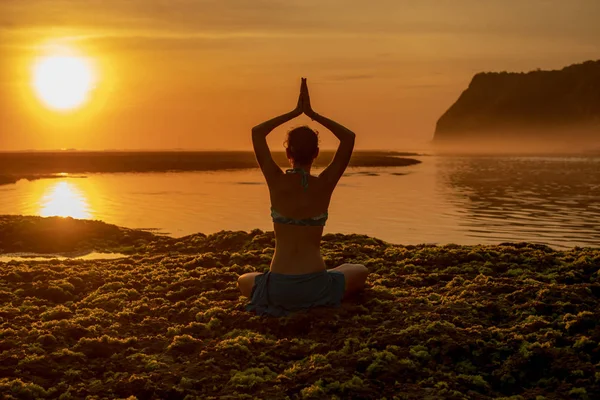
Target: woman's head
302	145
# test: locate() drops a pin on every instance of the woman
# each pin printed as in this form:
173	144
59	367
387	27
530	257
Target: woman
298	278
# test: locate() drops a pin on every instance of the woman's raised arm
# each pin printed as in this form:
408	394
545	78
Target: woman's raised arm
268	166
336	168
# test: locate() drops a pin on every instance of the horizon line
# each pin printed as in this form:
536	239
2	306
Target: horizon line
180	150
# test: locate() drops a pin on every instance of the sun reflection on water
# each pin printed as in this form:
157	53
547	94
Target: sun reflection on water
64	199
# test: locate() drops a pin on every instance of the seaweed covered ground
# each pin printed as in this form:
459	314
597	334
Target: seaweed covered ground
517	321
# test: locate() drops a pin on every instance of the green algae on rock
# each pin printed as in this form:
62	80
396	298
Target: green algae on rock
168	322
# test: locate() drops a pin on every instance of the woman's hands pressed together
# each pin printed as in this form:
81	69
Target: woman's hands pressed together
300	106
305	96
303	105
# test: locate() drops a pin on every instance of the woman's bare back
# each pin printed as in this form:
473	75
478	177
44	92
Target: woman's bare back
298	249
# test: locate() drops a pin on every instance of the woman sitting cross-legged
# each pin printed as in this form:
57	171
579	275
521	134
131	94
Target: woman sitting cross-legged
298	278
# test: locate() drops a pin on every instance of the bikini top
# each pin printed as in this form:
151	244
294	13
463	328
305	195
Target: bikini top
319	220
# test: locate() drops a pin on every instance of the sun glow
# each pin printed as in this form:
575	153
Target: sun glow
64	199
63	80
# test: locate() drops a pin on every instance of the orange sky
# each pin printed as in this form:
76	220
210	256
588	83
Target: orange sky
199	74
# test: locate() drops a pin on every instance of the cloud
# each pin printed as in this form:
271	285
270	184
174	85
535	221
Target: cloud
285	18
423	86
157	15
163	44
349	77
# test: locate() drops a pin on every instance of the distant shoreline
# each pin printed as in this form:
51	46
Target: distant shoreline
45	165
11	179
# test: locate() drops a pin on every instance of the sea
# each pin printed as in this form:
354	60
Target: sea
445	199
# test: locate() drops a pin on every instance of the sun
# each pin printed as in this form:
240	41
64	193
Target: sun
63	82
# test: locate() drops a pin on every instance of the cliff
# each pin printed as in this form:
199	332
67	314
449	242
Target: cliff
562	104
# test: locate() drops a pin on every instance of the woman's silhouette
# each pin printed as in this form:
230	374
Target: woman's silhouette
298	278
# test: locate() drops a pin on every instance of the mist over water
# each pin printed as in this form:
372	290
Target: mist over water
445	199
571	141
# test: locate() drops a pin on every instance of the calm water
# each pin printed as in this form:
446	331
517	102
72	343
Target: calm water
464	200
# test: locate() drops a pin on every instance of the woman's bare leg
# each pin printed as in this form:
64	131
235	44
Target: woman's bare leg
246	282
356	275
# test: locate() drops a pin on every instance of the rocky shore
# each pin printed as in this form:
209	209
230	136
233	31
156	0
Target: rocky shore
517	320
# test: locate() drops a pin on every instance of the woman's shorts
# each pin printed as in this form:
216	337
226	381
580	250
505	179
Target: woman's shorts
281	294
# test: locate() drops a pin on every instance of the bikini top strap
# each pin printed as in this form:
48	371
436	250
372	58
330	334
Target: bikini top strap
304	180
